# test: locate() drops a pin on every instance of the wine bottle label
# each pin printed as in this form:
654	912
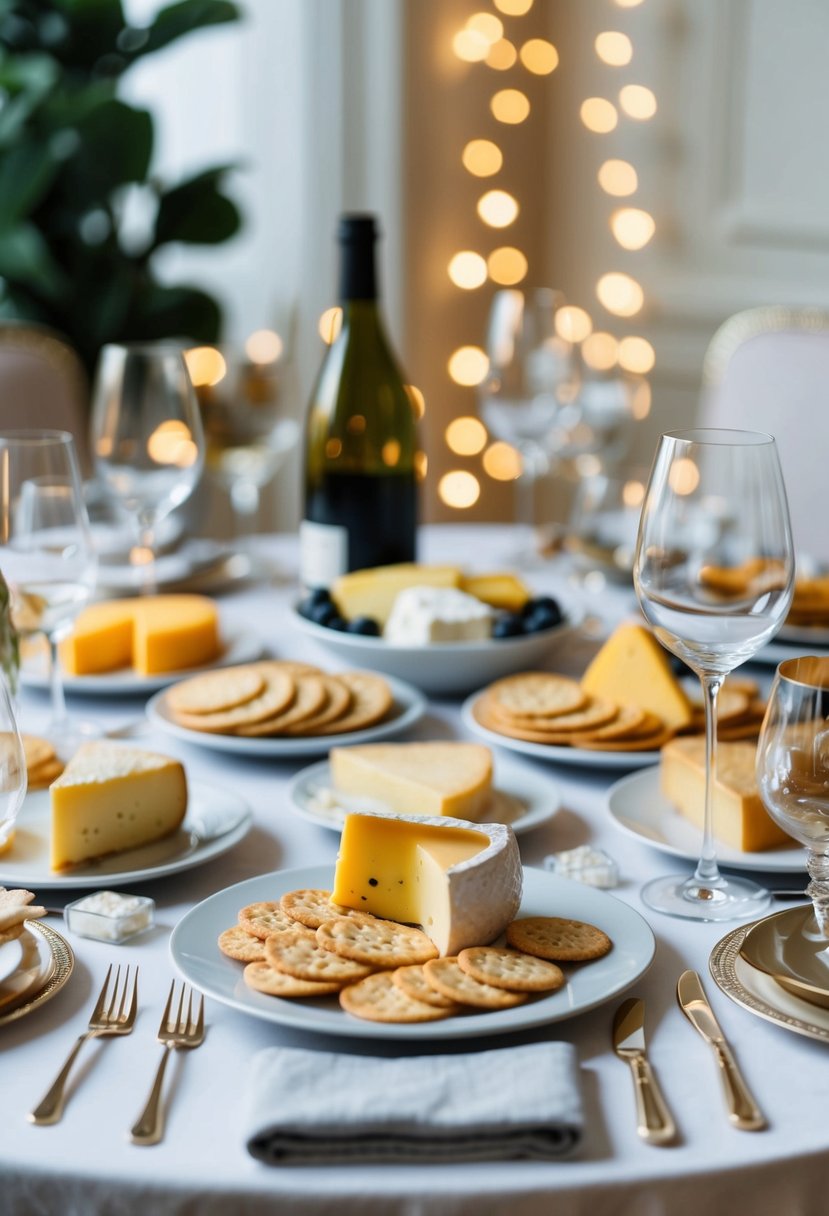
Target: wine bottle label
323	553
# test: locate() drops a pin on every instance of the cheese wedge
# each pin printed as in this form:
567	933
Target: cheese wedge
111	798
157	634
740	819
417	778
373	592
498	590
462	885
633	669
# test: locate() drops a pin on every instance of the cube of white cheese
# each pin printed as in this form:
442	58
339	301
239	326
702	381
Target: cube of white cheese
437	614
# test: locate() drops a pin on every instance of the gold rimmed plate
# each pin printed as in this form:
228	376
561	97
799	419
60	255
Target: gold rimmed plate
46	965
789	948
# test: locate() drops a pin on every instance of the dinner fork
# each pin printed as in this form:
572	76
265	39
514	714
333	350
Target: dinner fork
115	1016
181	1031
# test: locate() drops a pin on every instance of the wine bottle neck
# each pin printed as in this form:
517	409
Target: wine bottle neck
358	278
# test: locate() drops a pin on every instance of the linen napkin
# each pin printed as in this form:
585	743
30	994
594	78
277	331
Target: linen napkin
315	1107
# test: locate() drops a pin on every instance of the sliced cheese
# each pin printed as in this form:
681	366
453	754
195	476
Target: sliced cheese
425	779
373	592
739	817
111	798
633	669
462	885
157	634
498	590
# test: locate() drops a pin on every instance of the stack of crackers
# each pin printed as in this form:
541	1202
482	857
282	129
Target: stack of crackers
42	763
306	946
274	697
740	711
810	605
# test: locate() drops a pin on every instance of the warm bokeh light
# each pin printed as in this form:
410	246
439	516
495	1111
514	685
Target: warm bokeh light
421	465
468	366
502	462
466	436
333	448
330	324
264	346
391	453
620	294
636	355
513	8
502	55
172	443
206	365
631	227
487	25
482	158
507	266
470	46
637	101
614	48
683	476
417	399
140	555
628	3
640	406
573	324
633	493
599	115
467	270
497	208
539	56
618	177
510	106
459	489
600	351
356	424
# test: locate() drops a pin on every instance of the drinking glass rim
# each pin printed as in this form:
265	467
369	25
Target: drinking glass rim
818	665
36	436
713	436
149	347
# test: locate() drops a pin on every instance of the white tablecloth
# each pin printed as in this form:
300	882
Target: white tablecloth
85	1164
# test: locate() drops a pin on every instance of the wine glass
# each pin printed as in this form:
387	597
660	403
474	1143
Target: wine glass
531	378
13	777
714	574
46	550
147	438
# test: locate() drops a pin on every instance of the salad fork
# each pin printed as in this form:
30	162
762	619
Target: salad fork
182	1031
115	1016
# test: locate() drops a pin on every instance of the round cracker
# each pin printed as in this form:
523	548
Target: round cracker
558	938
511	969
378	999
376	943
596	712
446	976
414	983
37	751
263	918
262	977
44	774
309	697
641	743
339	700
277	694
371	701
312	907
296	953
216	691
537	694
482	712
237	943
629	723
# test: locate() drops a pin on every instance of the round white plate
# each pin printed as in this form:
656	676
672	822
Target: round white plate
443	668
778	651
638	807
11	954
546	751
408	706
808	635
237	647
522	797
216	820
194	952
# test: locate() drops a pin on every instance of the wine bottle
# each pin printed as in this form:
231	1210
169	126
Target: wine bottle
360	442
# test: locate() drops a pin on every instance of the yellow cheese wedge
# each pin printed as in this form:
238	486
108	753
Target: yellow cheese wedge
157	634
633	669
740	819
425	779
462	885
498	590
110	798
373	592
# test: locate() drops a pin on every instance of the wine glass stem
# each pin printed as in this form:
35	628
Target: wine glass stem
149	582
707	872
818	889
60	718
534	465
245	499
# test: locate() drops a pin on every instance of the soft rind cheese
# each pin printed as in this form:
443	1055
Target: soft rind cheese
372	592
461	884
421	615
110	798
423	779
633	669
157	634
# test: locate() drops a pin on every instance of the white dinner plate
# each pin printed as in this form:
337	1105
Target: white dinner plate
216	820
194	952
237	647
778	651
409	705
546	751
639	808
808	635
522	797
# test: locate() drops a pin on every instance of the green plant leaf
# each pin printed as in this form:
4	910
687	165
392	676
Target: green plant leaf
179	19
33	73
91	41
25	258
196	212
183	312
26	175
116	143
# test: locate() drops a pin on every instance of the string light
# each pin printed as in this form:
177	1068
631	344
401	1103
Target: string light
206	366
502	55
600	351
468	365
614	49
482	158
631	227
507	266
488	26
637	102
513	8
498	208
330	324
573	324
459	489
539	56
599	115
466	436
470	46
683	476
264	346
467	270
510	106
620	294
502	462
636	355
641	403
418	401
618	177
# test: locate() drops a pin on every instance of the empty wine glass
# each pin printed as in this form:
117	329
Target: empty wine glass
147	438
12	770
714	574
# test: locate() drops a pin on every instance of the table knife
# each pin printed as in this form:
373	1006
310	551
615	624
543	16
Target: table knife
743	1111
654	1121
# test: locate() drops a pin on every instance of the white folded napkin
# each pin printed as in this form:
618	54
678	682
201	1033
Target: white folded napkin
316	1107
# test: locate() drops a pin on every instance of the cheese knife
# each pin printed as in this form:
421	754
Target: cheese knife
654	1121
743	1111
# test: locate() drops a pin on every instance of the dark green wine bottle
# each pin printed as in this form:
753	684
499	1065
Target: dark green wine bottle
361	436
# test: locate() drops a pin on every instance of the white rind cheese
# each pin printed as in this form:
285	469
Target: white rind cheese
421	615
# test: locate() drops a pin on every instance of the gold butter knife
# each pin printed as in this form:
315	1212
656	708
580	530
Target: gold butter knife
743	1111
654	1121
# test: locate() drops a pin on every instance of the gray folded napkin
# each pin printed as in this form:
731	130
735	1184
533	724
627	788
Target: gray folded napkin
316	1107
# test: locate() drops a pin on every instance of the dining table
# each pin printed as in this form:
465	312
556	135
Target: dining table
85	1164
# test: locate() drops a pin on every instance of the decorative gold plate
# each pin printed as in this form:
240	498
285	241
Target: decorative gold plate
59	968
788	947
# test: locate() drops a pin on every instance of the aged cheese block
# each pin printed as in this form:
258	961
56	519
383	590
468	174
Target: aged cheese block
373	592
740	819
422	779
157	634
633	669
110	798
462	885
498	590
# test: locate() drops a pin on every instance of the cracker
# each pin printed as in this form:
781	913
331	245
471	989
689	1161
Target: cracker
640	743
595	712
378	999
36	750
376	943
263	918
338	701
537	694
511	969
413	982
446	976
371	701
277	694
296	952
44	774
629	723
262	977
216	691
309	697
312	907
559	939
237	943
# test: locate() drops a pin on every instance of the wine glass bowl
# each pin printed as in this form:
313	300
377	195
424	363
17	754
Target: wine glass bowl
13	778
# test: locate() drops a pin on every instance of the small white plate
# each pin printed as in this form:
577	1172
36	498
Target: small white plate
408	706
443	668
522	797
583	757
639	808
194	952
11	955
216	820
237	647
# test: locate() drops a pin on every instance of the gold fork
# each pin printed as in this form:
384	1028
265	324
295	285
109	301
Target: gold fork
182	1031
113	1017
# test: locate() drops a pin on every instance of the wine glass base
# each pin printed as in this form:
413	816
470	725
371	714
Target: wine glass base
66	738
726	899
